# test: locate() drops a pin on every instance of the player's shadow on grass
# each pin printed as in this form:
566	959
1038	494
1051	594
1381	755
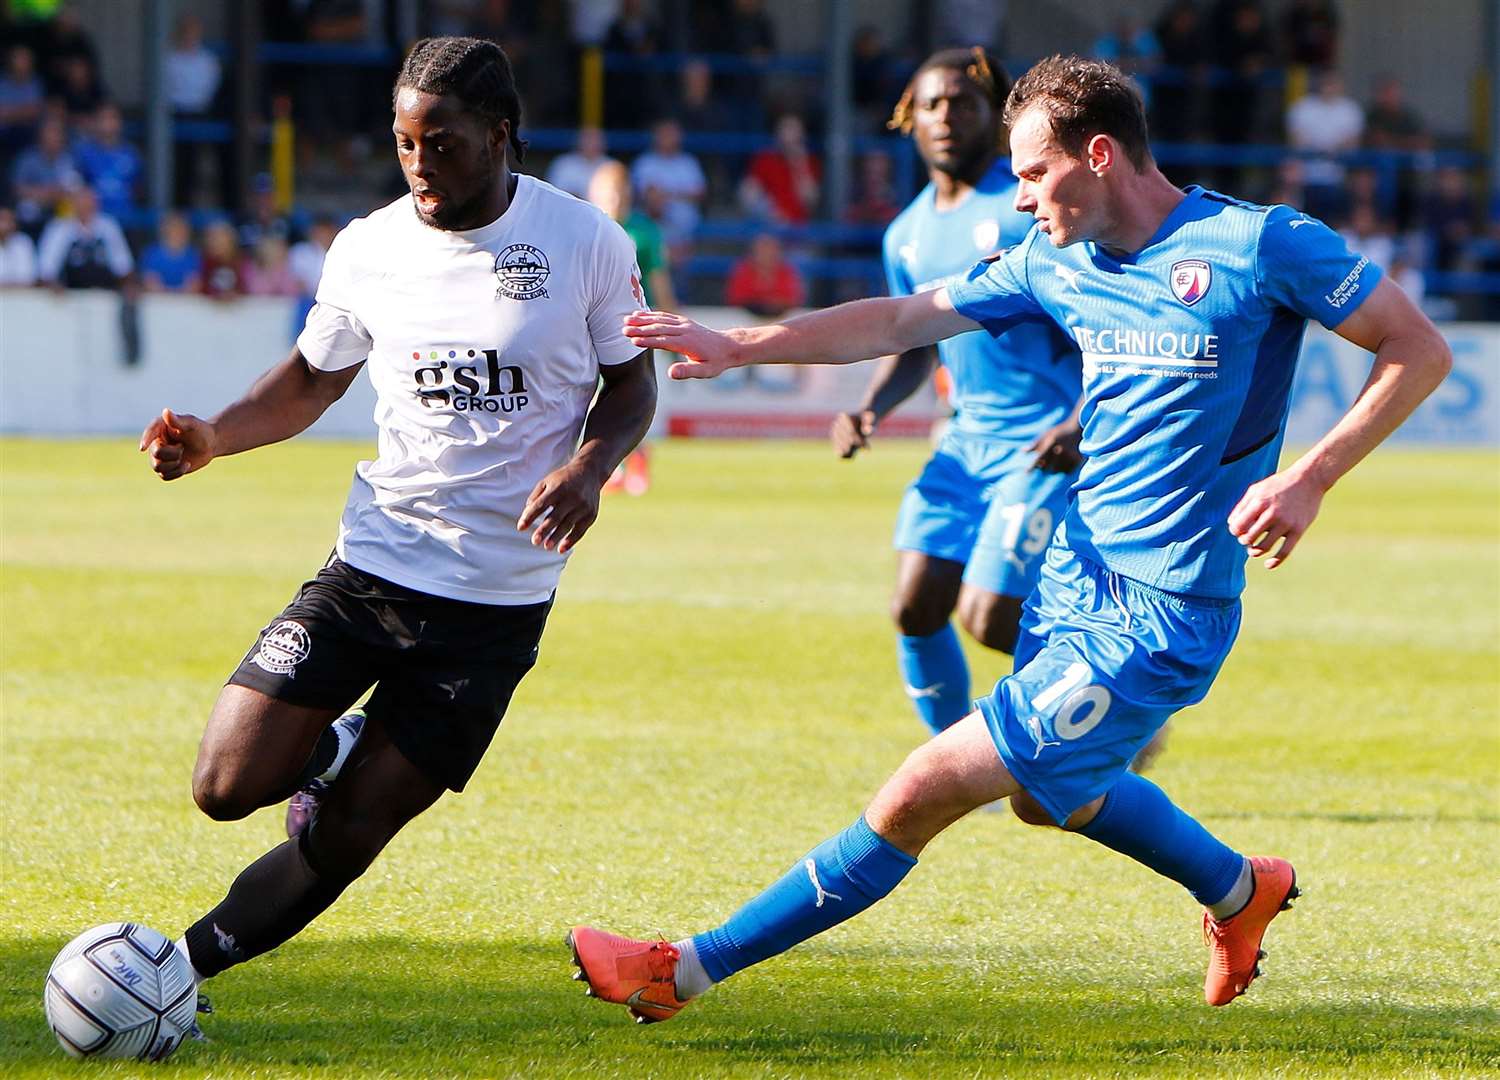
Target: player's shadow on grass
426	1008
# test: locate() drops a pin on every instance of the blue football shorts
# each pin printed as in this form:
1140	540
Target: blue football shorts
979	502
1101	663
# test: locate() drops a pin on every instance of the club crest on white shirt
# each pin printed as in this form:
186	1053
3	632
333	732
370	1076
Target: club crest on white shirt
1190	279
522	272
986	235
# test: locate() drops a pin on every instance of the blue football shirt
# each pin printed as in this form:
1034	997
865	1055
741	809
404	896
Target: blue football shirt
1189	346
1011	386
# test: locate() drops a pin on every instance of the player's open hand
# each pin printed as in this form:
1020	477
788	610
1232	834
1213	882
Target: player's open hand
708	352
178	444
1056	448
561	508
850	432
1276	511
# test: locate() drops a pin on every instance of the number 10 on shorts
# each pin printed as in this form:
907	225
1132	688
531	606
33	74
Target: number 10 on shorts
1084	707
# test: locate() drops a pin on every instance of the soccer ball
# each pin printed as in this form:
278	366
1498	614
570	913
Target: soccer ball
120	991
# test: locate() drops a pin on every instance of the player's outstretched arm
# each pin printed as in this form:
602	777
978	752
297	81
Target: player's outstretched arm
283	402
1411	358
859	330
565	502
896	379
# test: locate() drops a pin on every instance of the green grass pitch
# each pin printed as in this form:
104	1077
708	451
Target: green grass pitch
716	694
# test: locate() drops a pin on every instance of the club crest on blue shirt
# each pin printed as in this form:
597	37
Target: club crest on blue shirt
522	271
1190	280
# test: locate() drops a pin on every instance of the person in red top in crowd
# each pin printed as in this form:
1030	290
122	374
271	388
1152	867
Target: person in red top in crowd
764	282
223	274
783	181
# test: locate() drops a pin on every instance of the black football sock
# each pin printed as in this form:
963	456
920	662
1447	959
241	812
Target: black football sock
272	900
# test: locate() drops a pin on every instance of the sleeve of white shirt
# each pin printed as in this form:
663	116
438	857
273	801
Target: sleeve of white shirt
333	337
617	292
117	247
56	238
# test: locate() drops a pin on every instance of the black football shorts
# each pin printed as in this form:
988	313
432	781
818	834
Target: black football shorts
443	670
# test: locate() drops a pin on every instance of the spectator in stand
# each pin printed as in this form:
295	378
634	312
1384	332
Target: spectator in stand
1310	33
86	250
62	40
1370	235
21	95
1244	51
674	172
764	282
172	264
191	71
1325	123
872	86
1288	187
1364	190
82	91
1391	125
43	175
609	190
741	28
261	218
1132	48
783	181
223	273
109	164
1449	218
573	171
752	33
630	97
17	254
697	109
306	258
1184	55
267	272
876	202
191	77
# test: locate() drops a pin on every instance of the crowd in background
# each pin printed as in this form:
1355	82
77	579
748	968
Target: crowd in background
1233	73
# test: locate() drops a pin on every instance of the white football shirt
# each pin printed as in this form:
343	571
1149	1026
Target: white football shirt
484	350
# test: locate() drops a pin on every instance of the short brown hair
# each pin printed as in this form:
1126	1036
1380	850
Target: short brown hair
1083	98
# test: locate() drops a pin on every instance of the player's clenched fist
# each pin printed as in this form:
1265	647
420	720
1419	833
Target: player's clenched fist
178	444
709	352
1278	509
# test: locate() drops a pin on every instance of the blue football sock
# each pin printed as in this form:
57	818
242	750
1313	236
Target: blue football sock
936	677
835	881
1137	819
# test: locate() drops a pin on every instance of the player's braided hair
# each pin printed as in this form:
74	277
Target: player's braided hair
475	71
1084	98
977	65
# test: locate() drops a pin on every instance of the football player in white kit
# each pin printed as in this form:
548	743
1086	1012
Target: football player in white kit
487	306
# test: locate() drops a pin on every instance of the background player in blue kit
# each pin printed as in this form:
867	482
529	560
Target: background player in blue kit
973	526
1189	309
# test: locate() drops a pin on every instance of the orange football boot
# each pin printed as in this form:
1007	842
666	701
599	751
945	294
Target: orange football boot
1235	960
636	974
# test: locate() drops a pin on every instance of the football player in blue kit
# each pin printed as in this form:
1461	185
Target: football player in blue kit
1189	310
973	526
